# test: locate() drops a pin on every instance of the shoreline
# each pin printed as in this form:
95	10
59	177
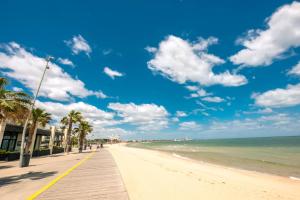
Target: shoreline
176	155
275	159
225	166
165	173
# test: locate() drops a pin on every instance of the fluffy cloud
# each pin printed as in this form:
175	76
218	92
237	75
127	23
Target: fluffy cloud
79	44
65	61
275	121
151	49
269	125
111	73
144	116
200	93
27	68
259	111
17	89
295	70
90	112
192	88
279	97
180	114
183	61
191	125
281	34
110	132
103	122
213	99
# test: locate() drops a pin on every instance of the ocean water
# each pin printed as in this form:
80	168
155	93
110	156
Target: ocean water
274	155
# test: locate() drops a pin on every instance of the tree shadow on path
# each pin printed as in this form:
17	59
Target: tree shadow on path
28	176
6	166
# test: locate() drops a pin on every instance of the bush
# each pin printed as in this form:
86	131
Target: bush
11	156
57	150
3	155
41	152
3	151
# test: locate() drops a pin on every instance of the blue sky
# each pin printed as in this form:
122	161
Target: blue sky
153	69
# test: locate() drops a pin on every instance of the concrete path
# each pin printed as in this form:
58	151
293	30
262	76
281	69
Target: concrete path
96	178
19	183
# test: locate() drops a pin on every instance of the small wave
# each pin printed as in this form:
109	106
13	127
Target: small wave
179	156
294	178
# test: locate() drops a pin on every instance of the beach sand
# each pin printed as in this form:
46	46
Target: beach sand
150	175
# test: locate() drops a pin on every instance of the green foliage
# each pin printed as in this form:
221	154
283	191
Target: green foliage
72	117
13	105
40	116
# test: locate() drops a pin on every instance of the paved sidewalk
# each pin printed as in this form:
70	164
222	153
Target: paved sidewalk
18	183
96	178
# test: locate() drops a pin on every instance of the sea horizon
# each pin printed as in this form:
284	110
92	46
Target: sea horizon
203	139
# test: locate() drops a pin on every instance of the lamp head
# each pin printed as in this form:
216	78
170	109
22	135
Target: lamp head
49	58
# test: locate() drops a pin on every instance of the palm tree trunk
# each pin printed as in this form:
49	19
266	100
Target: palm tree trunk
81	142
69	136
2	129
31	146
30	136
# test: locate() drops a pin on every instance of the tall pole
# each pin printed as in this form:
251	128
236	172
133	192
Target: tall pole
29	112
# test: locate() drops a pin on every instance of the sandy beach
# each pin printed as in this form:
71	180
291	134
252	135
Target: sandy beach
150	174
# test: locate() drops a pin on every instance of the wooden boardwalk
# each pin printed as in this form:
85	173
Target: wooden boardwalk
96	178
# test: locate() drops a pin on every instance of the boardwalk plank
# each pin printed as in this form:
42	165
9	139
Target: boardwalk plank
97	178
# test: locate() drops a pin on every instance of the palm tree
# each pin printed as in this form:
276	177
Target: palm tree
83	129
68	121
39	117
13	105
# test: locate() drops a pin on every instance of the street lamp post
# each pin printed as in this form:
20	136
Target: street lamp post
22	164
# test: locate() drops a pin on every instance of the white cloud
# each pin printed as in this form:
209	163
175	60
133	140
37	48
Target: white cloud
205	114
205	107
191	125
295	70
183	61
144	116
277	119
100	94
103	122
107	51
109	132
17	63
281	34
90	112
175	119
259	111
150	49
200	93
180	114
192	87
65	61
279	97
79	44
213	99
280	120
276	124
112	73
17	89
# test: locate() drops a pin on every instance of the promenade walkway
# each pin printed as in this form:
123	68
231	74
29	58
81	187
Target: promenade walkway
96	178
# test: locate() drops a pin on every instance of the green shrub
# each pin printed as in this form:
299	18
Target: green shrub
3	151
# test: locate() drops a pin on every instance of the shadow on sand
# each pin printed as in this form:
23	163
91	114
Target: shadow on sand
30	176
6	167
